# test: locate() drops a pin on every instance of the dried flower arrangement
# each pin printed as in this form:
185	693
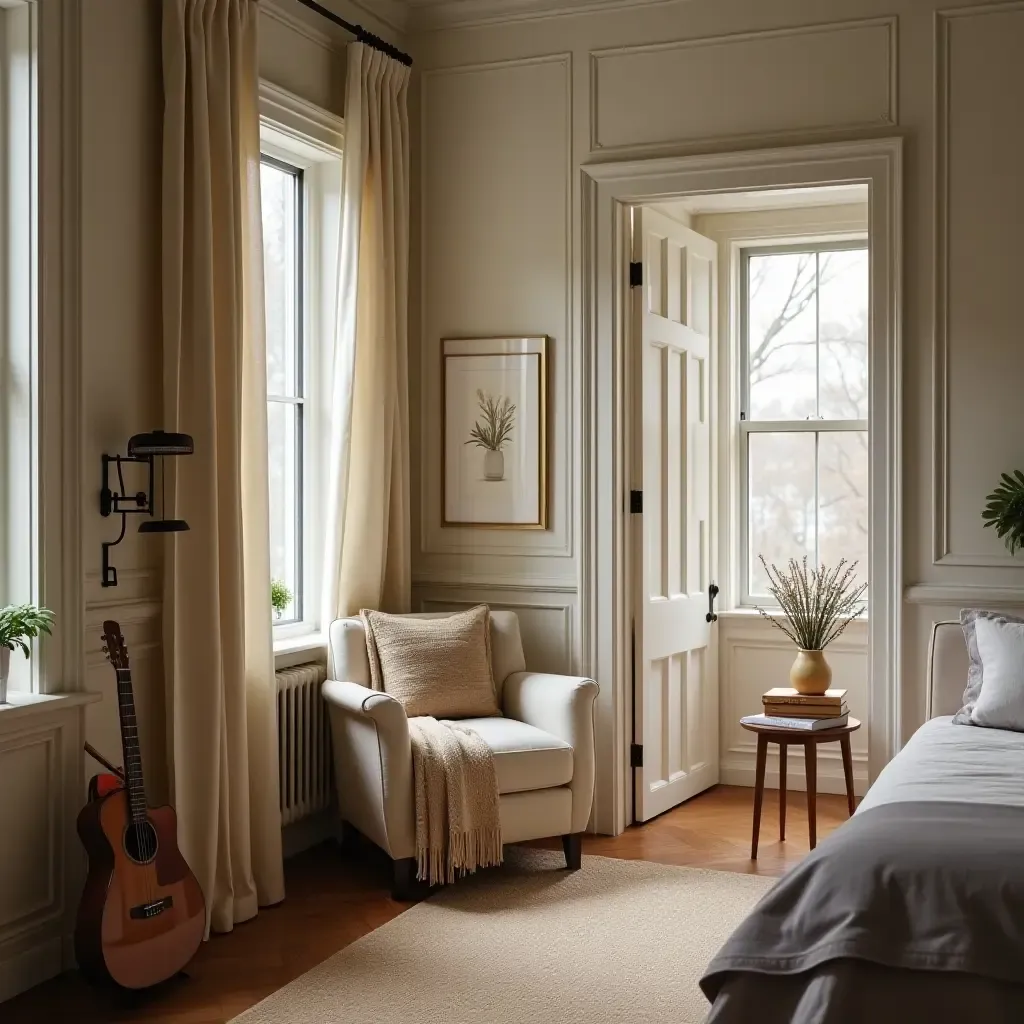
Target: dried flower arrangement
494	428
818	603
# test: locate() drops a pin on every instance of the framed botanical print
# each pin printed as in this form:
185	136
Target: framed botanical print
495	444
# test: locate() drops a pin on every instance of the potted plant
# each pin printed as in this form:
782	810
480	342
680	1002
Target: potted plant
818	604
280	597
1005	510
19	623
492	431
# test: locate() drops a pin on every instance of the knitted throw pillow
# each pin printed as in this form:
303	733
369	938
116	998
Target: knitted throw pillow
438	667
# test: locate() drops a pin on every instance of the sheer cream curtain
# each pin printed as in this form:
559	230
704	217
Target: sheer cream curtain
367	550
219	661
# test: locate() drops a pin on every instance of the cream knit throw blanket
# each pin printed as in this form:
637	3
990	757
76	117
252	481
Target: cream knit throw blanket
457	829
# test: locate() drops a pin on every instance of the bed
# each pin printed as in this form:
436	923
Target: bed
912	910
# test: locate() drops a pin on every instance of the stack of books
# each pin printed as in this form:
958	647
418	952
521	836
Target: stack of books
784	708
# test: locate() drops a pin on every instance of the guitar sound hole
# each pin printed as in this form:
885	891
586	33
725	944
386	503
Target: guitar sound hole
140	842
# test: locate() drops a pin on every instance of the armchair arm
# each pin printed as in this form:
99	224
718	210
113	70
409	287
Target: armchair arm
373	765
563	706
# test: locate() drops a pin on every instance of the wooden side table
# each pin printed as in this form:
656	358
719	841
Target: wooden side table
809	741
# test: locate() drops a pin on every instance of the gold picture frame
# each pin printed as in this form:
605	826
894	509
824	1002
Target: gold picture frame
476	485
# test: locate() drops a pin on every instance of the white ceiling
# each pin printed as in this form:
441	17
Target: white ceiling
769	199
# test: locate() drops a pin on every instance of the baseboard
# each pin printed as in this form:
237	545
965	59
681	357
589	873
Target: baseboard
30	967
741	775
311	831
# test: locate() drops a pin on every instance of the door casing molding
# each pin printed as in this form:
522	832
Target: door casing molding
609	192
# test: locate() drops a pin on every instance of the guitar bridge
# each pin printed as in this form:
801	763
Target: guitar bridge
153	909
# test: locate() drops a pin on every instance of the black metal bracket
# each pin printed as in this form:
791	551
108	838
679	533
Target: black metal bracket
712	594
121	503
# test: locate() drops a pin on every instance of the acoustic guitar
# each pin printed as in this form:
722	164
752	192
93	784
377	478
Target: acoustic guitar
142	914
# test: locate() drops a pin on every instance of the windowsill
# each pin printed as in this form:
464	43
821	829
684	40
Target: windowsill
295	650
746	614
23	704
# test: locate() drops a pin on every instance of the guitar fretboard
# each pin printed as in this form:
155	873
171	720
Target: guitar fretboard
130	745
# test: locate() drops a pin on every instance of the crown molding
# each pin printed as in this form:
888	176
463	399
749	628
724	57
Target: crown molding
395	14
447	14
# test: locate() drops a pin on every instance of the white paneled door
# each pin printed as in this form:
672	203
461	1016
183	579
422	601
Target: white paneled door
676	686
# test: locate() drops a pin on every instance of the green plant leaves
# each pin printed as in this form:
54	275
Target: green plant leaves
22	622
1005	510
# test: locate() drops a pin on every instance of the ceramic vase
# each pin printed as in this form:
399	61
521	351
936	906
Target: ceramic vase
494	465
5	668
811	674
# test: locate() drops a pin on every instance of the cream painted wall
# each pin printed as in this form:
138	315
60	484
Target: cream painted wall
509	113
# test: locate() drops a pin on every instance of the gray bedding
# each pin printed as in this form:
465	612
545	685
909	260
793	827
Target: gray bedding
913	910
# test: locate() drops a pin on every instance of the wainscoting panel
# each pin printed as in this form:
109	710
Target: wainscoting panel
979	207
838	76
41	863
754	657
546	620
495	260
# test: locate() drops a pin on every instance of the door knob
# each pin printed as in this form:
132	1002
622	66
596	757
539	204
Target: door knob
712	594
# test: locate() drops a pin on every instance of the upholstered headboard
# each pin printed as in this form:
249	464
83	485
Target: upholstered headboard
947	669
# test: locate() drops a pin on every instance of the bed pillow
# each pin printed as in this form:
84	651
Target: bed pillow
969	618
1000	704
439	666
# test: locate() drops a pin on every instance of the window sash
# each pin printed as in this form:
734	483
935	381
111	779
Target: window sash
298	398
811	425
744	308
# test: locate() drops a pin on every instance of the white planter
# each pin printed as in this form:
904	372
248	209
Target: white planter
5	668
494	465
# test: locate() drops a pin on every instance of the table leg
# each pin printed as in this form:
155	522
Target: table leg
811	764
844	743
783	747
762	756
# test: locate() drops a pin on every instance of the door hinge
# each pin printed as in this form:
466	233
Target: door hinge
636	274
636	503
636	755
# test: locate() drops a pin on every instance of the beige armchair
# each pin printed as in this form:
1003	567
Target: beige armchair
543	749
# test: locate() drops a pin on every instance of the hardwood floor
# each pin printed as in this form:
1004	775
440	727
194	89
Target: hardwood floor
334	897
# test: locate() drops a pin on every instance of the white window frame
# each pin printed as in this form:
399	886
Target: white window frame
746	425
299	134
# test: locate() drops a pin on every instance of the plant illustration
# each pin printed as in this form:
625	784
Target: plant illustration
494	426
280	596
1005	510
818	604
20	623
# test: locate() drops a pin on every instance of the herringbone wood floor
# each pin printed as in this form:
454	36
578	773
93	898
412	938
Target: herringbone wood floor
334	898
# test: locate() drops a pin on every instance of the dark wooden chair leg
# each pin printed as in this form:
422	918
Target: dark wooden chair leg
404	885
783	747
811	764
572	845
762	755
844	743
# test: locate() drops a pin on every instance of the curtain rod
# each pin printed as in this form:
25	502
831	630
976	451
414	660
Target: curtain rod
359	32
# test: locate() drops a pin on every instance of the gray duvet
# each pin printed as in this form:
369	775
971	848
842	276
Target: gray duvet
910	911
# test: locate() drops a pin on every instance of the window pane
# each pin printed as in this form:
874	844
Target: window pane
843	316
781	501
282	427
843	498
278	189
782	336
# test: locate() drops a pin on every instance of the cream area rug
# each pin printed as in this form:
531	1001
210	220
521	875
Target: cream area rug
618	942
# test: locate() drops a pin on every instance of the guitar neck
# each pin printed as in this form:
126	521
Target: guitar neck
130	745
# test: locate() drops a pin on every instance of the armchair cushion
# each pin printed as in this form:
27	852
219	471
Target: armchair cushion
436	667
525	758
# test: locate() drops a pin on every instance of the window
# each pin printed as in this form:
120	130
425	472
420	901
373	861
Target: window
20	384
282	190
804	407
300	179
